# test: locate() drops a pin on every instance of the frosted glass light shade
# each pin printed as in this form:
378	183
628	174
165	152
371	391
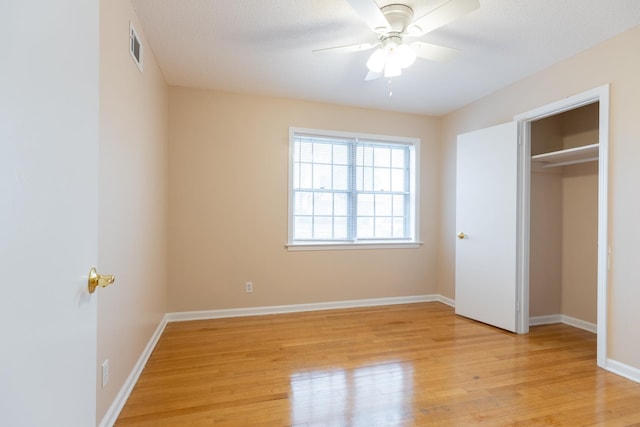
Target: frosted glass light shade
377	60
404	56
392	68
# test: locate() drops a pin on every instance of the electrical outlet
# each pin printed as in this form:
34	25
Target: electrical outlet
105	373
248	287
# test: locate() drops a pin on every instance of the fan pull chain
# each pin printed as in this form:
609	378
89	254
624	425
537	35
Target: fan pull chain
390	88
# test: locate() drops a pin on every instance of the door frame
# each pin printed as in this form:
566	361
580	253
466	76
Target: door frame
601	95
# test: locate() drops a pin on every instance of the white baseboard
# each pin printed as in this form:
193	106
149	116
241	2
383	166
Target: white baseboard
581	324
626	371
111	416
295	308
561	318
545	320
448	301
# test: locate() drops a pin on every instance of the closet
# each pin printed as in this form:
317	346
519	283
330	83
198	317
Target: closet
563	245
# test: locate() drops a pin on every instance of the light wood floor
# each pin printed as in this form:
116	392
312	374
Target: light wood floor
402	365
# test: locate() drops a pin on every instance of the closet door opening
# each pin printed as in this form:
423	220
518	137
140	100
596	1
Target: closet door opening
563	243
563	215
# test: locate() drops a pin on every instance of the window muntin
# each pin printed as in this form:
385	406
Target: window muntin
347	188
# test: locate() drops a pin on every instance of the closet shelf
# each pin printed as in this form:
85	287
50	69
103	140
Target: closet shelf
585	153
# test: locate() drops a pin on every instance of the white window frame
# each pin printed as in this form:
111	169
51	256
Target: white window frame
414	203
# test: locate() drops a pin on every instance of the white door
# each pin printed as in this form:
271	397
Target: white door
48	211
486	215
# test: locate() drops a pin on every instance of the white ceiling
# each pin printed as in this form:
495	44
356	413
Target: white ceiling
264	47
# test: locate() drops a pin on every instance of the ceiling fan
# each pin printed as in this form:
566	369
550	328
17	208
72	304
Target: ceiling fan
393	24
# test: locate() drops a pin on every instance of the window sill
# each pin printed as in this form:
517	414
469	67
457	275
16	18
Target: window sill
332	246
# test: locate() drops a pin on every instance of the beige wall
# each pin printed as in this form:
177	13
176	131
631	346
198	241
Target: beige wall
132	199
609	62
564	242
545	244
228	169
580	242
580	219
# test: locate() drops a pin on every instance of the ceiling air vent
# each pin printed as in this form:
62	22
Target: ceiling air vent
135	47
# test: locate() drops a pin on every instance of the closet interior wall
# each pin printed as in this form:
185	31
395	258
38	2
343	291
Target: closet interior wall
564	219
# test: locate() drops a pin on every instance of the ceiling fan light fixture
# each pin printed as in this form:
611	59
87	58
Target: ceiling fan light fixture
394	22
392	69
404	56
377	60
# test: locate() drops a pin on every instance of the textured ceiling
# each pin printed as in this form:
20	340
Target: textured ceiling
265	47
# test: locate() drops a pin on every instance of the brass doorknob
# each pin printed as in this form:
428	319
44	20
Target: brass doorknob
461	235
102	280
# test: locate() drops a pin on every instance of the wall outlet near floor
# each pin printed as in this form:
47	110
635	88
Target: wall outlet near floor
248	287
105	373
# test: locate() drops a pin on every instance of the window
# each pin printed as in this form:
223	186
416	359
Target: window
347	190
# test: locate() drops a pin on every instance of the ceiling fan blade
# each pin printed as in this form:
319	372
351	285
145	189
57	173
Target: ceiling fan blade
346	49
433	52
371	13
442	15
372	75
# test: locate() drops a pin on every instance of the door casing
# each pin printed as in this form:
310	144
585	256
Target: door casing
601	95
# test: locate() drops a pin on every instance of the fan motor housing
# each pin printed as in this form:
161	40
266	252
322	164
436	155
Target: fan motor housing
399	17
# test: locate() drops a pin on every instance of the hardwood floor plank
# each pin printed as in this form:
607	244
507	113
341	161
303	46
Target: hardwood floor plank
401	365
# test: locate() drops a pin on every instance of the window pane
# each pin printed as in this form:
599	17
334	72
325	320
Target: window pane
397	158
340	178
397	180
296	152
341	154
398	227
296	175
340	204
323	204
367	177
398	205
306	175
306	152
365	205
382	157
382	179
383	205
322	227
365	227
302	227
340	224
321	176
383	228
359	178
322	152
303	203
367	156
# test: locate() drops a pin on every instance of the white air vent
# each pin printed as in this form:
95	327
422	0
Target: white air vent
135	47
